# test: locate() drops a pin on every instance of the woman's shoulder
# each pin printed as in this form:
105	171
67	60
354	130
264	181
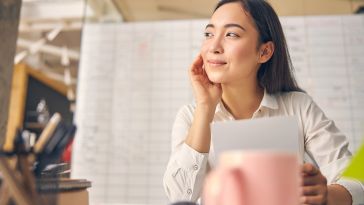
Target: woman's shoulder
295	98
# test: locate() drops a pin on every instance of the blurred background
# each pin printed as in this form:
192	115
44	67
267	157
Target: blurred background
39	17
117	69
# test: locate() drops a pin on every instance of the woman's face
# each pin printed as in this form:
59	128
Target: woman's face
230	52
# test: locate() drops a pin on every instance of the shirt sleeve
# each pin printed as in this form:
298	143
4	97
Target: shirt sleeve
186	169
328	147
355	188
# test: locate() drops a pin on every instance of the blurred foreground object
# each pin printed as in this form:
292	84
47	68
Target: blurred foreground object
253	177
35	174
356	168
9	20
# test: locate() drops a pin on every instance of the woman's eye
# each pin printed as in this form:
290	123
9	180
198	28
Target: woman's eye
232	35
208	34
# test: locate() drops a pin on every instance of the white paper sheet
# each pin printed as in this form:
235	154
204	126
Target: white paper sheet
273	134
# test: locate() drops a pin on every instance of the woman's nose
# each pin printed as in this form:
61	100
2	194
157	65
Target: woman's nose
216	46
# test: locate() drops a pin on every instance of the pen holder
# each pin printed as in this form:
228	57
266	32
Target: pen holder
53	149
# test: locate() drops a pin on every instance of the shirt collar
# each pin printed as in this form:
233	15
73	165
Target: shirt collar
268	101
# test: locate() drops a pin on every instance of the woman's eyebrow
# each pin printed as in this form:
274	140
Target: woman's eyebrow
234	25
209	26
226	26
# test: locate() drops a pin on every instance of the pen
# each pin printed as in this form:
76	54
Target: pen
47	132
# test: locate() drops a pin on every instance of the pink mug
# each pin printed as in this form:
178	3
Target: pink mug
253	178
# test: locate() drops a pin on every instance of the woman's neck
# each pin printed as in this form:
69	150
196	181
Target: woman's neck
243	100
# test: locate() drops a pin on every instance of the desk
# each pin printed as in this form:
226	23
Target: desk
75	197
65	191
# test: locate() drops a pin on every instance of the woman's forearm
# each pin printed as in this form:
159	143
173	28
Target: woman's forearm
199	136
338	195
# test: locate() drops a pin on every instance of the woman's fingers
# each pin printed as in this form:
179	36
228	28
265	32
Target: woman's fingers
205	91
196	67
309	180
313	200
314	185
310	169
312	190
197	71
312	175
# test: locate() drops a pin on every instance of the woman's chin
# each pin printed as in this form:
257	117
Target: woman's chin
216	75
216	78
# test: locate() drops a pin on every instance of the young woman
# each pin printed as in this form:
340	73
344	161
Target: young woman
243	72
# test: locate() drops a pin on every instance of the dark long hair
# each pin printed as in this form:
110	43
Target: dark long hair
276	74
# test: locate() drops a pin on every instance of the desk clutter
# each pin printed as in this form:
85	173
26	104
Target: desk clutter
33	172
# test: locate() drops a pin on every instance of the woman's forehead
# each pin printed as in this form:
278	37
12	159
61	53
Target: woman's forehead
231	13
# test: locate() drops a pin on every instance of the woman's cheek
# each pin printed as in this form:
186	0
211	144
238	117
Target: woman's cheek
203	52
203	48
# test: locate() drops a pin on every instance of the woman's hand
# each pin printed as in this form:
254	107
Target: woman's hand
206	92
207	96
314	190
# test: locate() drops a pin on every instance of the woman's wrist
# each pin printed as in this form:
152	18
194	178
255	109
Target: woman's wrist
199	137
338	194
205	112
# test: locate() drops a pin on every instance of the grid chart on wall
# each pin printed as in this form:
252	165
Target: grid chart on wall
133	79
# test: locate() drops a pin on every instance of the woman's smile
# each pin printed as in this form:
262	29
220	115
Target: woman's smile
216	63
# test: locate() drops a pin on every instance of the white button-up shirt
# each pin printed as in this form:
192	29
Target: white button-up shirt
320	143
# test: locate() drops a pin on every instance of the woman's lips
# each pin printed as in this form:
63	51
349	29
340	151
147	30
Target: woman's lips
216	62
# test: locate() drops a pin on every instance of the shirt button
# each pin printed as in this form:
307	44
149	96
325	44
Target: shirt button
189	191
195	167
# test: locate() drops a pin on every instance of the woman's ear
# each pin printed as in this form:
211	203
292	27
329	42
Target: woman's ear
266	51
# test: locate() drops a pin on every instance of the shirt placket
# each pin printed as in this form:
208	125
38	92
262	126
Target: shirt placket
257	113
